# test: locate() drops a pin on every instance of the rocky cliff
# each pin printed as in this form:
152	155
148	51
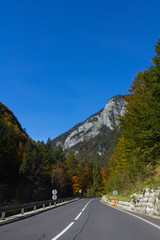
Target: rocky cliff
100	127
148	202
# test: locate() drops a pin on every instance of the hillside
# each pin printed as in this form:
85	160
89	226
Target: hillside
94	136
7	117
12	140
135	162
85	158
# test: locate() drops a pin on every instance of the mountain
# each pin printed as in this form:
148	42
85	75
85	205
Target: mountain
12	140
23	162
95	135
8	118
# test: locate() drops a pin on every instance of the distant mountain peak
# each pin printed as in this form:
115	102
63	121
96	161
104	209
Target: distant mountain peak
92	127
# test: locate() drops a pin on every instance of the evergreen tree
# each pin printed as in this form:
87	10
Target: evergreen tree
138	149
97	181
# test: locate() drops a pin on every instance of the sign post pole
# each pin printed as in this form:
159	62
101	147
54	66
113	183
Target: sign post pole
80	191
115	192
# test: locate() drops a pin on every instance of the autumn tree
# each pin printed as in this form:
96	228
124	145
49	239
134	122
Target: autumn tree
76	185
137	151
97	181
141	121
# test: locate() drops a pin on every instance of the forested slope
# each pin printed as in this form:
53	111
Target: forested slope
29	170
136	158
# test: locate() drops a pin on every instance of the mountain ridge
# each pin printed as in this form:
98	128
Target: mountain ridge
8	117
102	124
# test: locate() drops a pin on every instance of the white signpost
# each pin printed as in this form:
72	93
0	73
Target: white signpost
54	192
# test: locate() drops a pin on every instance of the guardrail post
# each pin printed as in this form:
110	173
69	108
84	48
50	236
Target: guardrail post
3	215
22	211
22	208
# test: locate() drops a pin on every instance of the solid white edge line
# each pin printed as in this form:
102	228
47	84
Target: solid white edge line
154	225
61	233
78	216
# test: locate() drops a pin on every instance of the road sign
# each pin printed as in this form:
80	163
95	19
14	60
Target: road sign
54	191
115	192
54	197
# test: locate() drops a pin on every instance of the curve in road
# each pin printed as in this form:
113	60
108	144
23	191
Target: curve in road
86	219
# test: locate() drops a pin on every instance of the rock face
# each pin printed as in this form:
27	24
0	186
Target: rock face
93	126
148	202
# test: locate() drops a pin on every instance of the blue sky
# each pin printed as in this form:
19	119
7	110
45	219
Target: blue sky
61	60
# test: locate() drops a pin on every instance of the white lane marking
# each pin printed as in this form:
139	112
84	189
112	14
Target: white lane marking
154	225
86	205
65	230
82	210
70	225
78	216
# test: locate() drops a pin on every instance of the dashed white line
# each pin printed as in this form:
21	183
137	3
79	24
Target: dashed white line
70	225
65	230
78	216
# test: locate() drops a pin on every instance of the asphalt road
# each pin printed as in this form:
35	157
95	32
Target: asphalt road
86	219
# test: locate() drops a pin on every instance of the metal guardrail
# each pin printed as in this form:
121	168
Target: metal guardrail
34	205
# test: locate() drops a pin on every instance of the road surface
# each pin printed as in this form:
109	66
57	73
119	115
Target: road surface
86	219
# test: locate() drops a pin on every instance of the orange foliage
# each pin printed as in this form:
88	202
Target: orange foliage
104	175
76	185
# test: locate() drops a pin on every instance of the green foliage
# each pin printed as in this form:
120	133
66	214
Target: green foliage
30	170
8	118
138	156
125	196
97	180
12	141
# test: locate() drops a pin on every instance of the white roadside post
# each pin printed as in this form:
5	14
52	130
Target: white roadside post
80	191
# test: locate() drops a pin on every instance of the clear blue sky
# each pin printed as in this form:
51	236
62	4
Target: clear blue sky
61	60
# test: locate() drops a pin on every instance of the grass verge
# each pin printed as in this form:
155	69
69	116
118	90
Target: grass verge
126	196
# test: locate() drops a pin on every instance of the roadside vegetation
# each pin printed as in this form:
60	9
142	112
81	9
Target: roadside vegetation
29	170
135	163
126	196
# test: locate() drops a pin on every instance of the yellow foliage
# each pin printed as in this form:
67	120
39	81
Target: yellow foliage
118	159
76	185
104	175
